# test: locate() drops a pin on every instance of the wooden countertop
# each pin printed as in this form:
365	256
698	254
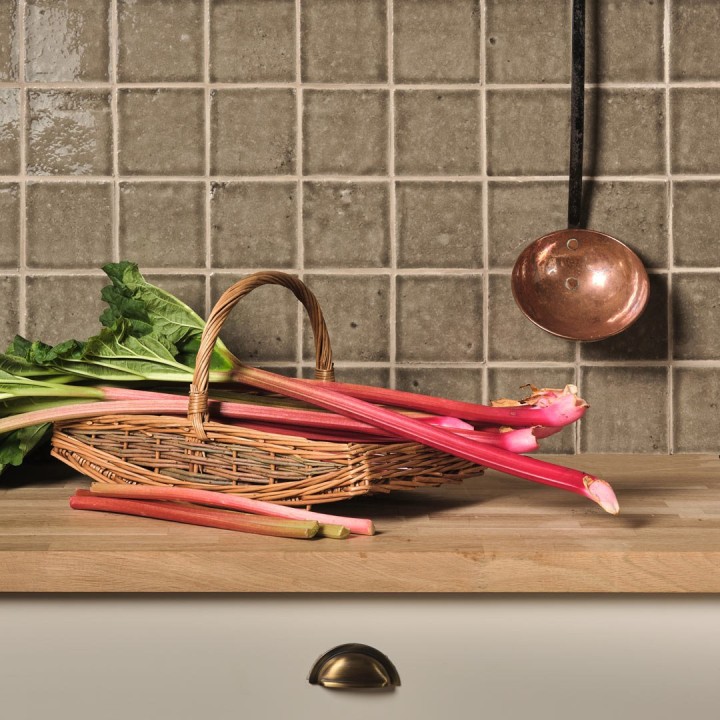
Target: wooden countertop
490	534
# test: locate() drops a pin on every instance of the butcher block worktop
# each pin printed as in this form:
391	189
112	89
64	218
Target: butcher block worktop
490	534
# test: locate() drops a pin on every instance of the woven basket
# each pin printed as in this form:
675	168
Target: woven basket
197	452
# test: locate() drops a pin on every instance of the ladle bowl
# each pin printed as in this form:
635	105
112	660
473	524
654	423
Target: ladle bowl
580	284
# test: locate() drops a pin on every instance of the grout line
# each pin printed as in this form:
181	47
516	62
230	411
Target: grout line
115	119
484	212
298	177
670	250
393	296
207	160
22	283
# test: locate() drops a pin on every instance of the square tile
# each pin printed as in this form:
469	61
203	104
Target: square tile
69	225
345	132
696	407
63	307
9	131
188	288
628	410
437	42
8	40
252	41
528	132
437	132
439	224
357	314
646	339
254	225
253	132
695	47
696	218
9	310
624	41
67	41
695	125
527	41
69	132
454	383
511	336
162	224
160	40
509	382
162	132
355	374
344	41
520	212
440	318
346	224
263	326
696	320
9	225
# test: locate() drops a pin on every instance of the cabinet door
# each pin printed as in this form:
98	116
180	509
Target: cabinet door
230	657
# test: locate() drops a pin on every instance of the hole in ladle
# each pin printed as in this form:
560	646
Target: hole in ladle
573	244
571	283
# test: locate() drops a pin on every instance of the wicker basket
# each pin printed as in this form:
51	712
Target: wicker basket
200	453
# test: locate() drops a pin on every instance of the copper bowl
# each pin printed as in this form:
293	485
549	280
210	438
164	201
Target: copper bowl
580	284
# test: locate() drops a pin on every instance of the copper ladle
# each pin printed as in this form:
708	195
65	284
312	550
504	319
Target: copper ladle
579	284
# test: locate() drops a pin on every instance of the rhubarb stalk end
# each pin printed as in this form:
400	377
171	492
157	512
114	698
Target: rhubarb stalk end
601	492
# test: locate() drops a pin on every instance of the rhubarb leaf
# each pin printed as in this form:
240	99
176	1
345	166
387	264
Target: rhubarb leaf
16	445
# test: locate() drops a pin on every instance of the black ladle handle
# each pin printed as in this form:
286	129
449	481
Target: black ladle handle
577	113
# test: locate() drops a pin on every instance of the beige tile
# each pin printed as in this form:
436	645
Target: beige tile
162	224
263	326
253	132
67	41
160	40
646	339
511	336
9	40
63	307
69	132
344	41
252	41
9	311
696	404
695	127
437	132
162	131
695	47
9	225
628	410
439	318
439	224
527	41
345	132
346	224
357	313
696	218
254	225
69	225
454	383
9	131
696	321
437	42
188	288
509	382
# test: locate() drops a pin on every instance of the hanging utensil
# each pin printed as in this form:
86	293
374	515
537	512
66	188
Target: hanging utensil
579	284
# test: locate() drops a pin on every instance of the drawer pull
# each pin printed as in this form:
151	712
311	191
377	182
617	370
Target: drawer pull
354	666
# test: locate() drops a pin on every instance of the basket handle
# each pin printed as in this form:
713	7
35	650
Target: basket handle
198	400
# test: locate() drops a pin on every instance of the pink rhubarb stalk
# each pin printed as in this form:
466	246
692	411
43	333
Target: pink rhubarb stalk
357	526
524	467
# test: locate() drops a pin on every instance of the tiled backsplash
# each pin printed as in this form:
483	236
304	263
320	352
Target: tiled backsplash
398	156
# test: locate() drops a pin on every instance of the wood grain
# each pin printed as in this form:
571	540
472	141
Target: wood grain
490	534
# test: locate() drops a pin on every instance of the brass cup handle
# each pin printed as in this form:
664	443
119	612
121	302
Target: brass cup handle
354	666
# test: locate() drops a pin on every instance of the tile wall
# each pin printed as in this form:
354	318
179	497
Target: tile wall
395	154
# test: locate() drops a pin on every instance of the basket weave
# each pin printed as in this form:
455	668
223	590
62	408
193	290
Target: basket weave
197	452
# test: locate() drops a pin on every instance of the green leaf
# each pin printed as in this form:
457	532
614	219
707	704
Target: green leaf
16	445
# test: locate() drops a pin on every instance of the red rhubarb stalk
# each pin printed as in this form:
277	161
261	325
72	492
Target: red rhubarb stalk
357	526
524	467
